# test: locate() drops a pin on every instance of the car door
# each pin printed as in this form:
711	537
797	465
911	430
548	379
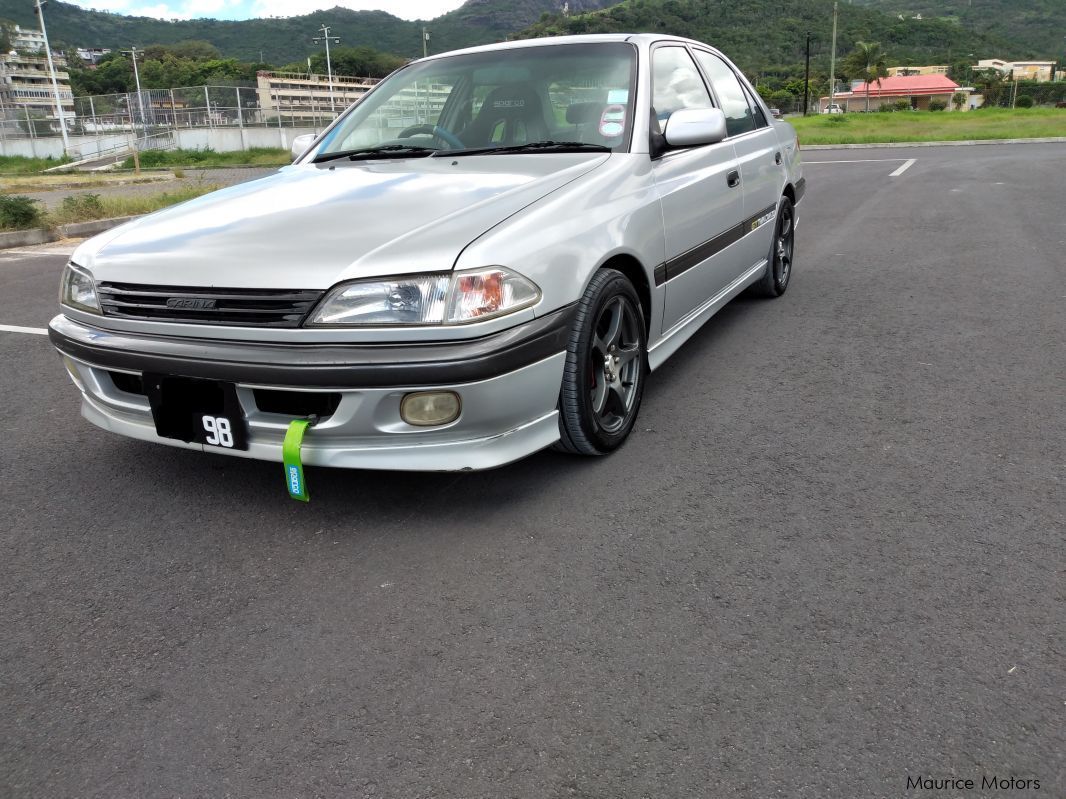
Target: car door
699	190
762	162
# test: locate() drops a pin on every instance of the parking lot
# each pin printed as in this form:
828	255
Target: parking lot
830	558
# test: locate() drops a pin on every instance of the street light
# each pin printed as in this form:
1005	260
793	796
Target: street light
52	72
132	53
325	37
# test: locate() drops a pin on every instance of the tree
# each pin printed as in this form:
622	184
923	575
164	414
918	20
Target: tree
958	99
867	63
991	83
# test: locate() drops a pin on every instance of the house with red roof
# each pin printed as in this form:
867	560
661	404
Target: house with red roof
919	90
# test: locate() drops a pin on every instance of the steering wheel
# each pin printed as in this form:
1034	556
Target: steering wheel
433	130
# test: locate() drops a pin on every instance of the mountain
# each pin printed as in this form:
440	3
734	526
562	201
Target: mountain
1033	28
283	40
770	35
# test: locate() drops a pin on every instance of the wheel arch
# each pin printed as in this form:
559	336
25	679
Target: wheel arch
634	270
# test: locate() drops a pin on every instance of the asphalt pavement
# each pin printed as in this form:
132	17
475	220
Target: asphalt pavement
830	560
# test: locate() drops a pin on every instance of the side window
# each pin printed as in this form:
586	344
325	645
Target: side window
738	116
760	117
676	83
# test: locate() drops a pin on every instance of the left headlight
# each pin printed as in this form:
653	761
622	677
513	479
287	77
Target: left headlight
78	290
435	299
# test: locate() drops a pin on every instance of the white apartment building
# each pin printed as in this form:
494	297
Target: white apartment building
25	82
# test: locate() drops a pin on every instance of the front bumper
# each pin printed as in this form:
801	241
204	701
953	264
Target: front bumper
508	383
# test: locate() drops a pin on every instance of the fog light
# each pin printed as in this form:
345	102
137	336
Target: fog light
428	408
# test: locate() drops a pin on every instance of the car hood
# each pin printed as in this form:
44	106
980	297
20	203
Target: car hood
312	225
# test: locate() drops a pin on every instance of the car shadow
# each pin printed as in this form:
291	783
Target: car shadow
222	480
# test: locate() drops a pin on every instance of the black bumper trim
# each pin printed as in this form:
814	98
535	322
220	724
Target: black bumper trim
801	189
320	365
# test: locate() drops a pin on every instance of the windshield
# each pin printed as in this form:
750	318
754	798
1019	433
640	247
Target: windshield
578	94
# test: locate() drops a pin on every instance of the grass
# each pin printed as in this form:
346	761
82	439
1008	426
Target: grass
914	126
20	184
87	207
257	156
18	165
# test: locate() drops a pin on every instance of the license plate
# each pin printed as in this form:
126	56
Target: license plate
202	411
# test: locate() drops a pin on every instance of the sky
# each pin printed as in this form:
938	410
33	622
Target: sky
246	9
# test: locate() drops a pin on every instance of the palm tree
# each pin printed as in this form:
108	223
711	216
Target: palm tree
866	62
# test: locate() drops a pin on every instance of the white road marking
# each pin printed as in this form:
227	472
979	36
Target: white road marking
904	168
857	161
37	331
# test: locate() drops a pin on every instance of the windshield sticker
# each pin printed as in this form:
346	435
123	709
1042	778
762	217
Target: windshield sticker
618	96
613	121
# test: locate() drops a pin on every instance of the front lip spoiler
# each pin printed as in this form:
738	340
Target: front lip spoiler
333	365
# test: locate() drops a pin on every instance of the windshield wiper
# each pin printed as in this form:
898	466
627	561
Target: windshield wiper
534	147
367	153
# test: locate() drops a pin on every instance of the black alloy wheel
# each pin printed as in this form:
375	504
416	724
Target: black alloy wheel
774	282
606	364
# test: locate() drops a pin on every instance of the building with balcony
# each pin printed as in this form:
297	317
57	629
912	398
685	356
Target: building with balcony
305	99
25	82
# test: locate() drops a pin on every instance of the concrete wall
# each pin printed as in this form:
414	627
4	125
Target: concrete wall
219	139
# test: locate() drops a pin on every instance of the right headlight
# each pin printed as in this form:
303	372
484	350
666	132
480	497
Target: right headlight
78	290
449	298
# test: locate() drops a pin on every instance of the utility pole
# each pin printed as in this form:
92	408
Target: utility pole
52	72
833	60
325	37
137	79
425	42
807	77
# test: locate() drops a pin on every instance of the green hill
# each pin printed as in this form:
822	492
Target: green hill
283	40
1032	28
770	35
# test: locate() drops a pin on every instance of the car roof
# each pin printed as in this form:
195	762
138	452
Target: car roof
590	38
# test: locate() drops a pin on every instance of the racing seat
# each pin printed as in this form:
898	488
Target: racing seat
511	114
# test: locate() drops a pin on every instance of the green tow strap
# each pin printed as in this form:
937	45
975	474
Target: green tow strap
290	454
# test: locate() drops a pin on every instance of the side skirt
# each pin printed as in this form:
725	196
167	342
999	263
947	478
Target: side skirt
672	339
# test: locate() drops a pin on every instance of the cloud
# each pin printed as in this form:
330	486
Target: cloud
405	9
245	9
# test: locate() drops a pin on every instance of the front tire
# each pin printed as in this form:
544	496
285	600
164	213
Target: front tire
782	249
606	366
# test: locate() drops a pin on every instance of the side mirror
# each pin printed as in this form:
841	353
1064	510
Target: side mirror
301	144
692	126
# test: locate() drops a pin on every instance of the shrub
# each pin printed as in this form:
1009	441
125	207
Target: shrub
84	206
902	105
836	119
1025	101
19	213
886	109
937	105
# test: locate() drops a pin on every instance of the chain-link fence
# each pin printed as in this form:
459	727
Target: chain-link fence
154	111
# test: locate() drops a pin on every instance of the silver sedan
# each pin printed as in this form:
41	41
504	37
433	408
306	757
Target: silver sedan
485	256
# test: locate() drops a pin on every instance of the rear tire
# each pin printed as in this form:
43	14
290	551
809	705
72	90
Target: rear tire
606	365
774	282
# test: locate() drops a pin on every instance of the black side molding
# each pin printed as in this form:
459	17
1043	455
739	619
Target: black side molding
701	252
329	365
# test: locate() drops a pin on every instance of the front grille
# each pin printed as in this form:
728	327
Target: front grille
208	306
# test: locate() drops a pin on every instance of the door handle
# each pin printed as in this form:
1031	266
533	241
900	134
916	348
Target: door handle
733	179
777	157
